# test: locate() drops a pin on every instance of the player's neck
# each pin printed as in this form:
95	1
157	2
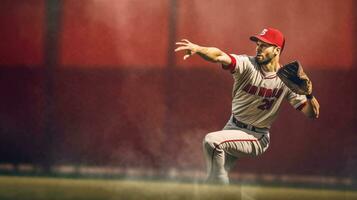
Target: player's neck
272	66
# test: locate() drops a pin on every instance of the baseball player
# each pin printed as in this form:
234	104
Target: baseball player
256	98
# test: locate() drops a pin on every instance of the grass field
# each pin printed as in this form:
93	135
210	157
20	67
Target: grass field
29	188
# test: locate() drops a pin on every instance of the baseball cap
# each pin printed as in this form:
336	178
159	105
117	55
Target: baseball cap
270	36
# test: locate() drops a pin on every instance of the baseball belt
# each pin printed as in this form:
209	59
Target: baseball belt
249	127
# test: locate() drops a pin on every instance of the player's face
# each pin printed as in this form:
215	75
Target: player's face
265	52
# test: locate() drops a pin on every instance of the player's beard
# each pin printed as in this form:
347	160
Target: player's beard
265	60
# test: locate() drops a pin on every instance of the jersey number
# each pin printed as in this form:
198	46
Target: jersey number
266	104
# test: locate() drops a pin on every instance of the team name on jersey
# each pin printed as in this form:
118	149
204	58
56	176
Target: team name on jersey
262	91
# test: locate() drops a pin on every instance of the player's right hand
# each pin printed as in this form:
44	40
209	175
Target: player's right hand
189	47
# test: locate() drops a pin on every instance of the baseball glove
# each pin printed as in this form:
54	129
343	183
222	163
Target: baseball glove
295	78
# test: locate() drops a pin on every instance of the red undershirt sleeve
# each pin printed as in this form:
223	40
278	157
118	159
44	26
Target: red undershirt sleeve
231	67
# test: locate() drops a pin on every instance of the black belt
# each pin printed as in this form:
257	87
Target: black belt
246	126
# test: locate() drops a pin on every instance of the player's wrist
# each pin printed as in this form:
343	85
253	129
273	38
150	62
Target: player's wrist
199	49
309	96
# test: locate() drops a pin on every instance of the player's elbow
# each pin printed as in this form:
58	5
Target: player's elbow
313	115
311	111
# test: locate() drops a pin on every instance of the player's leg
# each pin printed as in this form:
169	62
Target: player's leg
219	147
216	155
230	162
215	161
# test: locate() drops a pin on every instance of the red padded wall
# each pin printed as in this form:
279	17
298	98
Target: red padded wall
22	32
131	33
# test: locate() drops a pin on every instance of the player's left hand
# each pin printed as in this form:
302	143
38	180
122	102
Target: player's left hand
189	47
295	78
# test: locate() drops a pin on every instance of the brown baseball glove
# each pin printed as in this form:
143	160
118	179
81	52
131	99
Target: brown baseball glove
295	78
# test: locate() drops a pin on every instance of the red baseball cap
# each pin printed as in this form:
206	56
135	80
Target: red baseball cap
270	36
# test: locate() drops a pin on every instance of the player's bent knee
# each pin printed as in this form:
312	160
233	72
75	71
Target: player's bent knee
209	141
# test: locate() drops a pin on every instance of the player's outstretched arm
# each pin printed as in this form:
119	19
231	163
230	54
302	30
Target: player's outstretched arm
211	54
312	108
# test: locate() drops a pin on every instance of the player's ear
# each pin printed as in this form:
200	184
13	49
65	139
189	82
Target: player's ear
277	50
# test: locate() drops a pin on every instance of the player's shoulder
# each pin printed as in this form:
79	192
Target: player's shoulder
244	65
245	59
242	57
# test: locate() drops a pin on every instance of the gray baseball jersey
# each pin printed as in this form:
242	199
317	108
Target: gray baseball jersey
257	94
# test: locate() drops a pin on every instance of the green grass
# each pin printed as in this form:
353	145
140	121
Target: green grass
30	188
